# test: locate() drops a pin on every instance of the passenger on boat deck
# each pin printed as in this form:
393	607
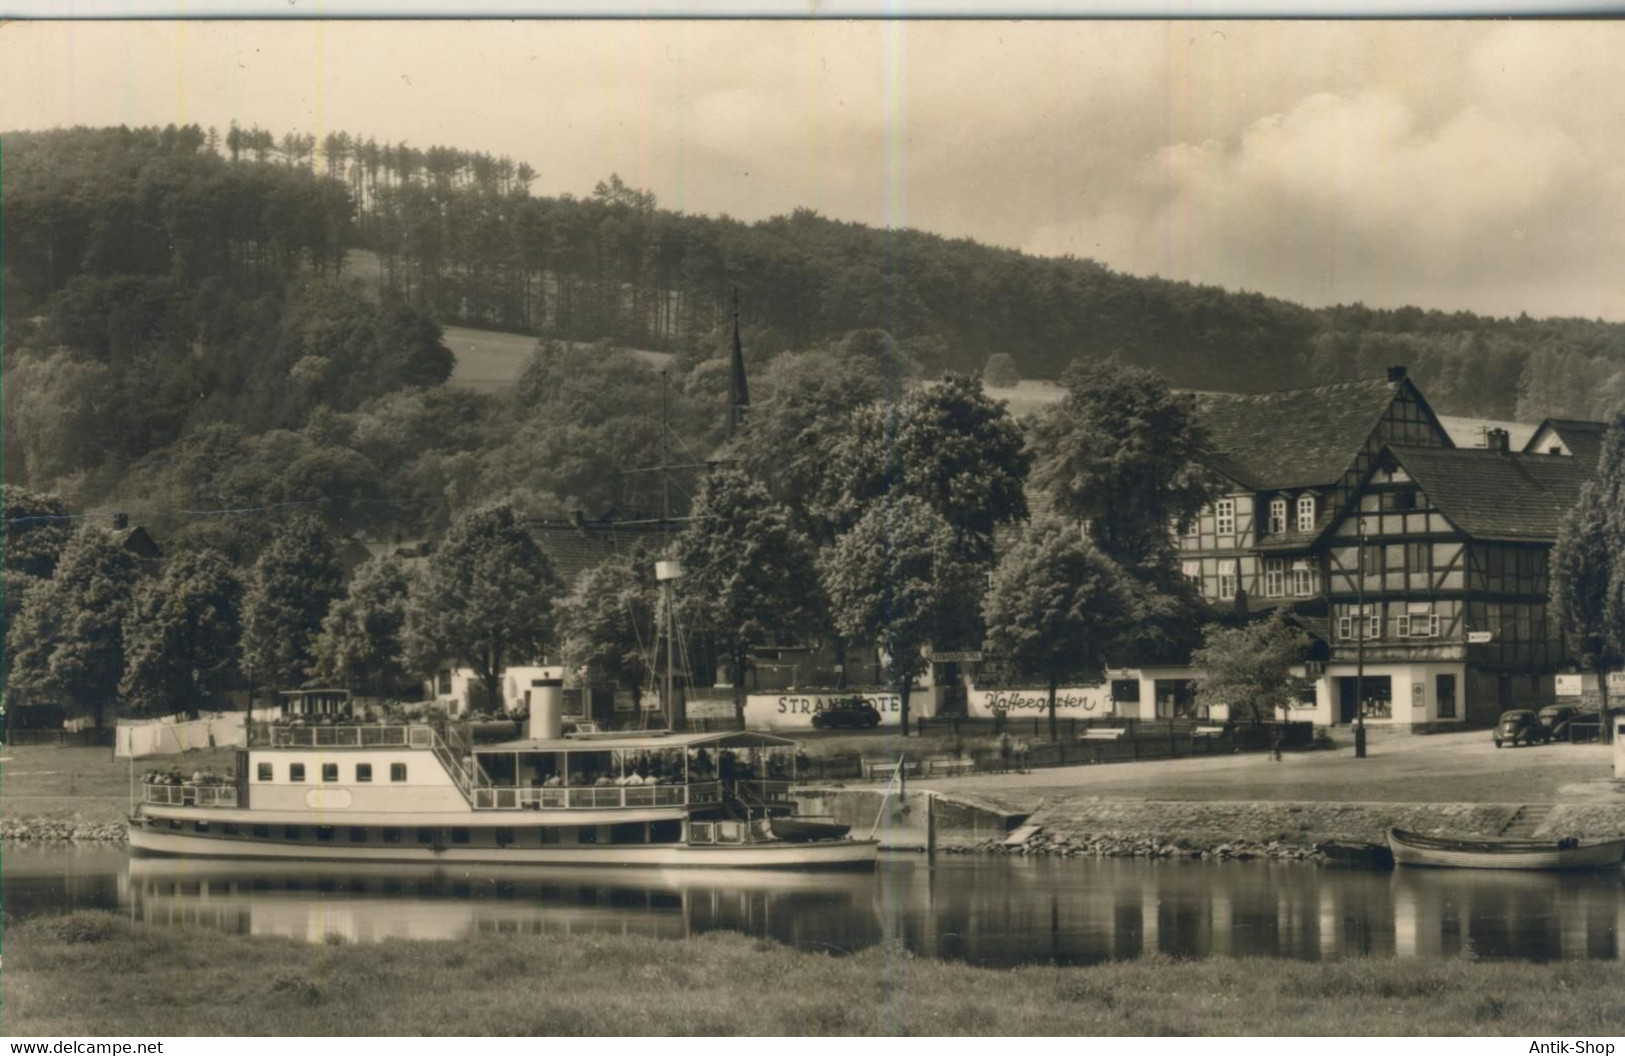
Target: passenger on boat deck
553	782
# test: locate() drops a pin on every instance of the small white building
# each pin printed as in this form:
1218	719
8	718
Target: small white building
457	689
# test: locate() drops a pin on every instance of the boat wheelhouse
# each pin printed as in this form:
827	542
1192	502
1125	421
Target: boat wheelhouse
416	792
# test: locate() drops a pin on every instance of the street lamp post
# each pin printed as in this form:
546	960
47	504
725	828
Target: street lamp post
1359	643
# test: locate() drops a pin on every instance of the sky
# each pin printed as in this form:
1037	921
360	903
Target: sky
1454	165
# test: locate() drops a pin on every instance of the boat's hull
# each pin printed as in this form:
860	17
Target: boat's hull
775	854
1412	849
1347	854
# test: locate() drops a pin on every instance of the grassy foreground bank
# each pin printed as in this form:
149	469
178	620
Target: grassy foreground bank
95	974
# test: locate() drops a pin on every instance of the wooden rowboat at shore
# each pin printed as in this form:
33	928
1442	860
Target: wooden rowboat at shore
1413	848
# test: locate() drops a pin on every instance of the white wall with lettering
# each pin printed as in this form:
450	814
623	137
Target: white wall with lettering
795	711
1071	702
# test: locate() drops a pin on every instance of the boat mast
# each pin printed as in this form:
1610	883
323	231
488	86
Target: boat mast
667	702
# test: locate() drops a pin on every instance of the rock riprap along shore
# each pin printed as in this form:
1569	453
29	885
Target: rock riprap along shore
1246	830
61	830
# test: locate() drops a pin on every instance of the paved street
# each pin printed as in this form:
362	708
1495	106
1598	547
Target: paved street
1442	768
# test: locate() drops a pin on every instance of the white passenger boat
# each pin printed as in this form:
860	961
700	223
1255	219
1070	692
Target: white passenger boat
407	792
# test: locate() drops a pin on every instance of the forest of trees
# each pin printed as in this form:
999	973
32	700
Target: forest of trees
238	339
459	236
199	323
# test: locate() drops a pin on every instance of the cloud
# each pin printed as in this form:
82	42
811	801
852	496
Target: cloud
1358	197
1454	164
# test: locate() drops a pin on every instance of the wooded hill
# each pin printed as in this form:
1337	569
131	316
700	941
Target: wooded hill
458	236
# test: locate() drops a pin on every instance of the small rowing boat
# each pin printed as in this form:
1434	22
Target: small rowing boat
1413	848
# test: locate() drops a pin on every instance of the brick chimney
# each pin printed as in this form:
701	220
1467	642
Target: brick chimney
1498	440
1396	373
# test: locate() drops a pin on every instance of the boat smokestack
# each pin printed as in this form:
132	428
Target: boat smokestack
547	706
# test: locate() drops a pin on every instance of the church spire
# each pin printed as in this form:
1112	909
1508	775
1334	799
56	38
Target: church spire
738	392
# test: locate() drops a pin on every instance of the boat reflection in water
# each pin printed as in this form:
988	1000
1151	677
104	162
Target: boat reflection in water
985	910
368	903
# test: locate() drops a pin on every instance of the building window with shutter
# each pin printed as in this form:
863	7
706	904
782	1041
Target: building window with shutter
1277	516
1227	582
1224	516
1306	513
1303	579
1274	577
1192	571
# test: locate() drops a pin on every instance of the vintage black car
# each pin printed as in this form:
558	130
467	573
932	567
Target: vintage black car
847	713
1518	727
1556	721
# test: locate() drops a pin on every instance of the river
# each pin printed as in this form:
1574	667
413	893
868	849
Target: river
989	910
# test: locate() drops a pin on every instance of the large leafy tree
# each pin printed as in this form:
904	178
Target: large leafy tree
963	455
748	573
486	599
1249	668
68	640
1055	606
293	583
1588	568
899	578
37	529
1121	451
363	640
182	631
608	621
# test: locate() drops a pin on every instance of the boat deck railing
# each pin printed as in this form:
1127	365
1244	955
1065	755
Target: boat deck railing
369	735
190	795
597	798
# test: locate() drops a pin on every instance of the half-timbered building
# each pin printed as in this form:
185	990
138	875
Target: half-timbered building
1419	568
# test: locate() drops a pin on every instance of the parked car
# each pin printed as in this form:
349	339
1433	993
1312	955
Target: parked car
1556	721
850	713
1518	727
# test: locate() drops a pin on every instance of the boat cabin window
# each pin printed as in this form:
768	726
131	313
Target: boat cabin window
358	834
262	832
324	833
627	832
200	826
550	835
666	831
290	832
425	836
230	830
392	835
397	771
330	772
363	773
587	834
173	824
591	768
505	836
296	772
459	835
265	772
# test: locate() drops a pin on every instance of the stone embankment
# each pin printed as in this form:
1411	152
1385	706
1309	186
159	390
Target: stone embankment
60	830
1248	830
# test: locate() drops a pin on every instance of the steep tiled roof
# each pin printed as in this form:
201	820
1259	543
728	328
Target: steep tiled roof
576	547
1295	438
1584	439
1489	495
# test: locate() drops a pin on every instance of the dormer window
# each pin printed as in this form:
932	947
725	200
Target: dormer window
1277	516
1306	513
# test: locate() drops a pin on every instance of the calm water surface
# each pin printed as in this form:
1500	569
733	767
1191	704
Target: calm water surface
984	910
